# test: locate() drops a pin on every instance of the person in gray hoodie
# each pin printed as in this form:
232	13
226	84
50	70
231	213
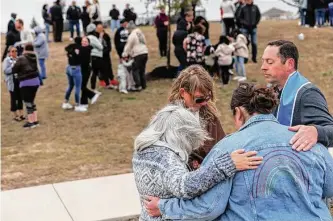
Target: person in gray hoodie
42	50
16	104
97	63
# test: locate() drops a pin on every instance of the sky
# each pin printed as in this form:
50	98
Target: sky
27	9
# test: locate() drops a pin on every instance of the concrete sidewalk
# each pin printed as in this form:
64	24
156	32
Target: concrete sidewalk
104	198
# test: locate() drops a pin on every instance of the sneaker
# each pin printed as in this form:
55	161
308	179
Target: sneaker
236	78
231	72
36	123
29	125
94	99
85	106
242	79
67	106
80	108
97	92
113	86
123	91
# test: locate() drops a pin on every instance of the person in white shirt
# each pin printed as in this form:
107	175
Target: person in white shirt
228	10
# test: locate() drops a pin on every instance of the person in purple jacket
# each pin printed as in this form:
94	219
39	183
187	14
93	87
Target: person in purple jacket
161	24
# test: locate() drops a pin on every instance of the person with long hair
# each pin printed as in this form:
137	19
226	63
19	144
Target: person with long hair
288	185
162	150
95	13
194	88
16	104
47	20
27	72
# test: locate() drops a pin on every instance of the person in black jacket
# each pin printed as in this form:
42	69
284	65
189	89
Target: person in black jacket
161	25
57	21
120	38
238	6
12	37
85	17
107	47
47	20
249	18
184	27
11	23
26	69
127	14
85	51
73	16
114	14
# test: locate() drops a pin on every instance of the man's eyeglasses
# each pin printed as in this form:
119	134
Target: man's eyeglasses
199	100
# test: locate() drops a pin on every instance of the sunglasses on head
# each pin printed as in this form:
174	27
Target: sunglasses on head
199	100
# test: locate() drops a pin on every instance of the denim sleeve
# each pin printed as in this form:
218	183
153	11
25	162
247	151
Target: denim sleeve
328	182
208	206
217	167
314	111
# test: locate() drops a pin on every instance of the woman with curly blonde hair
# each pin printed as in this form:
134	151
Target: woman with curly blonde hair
194	87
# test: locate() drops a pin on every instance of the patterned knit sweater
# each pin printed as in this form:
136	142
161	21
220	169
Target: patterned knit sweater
160	172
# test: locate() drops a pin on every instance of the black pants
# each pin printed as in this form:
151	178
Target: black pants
229	24
162	36
181	56
224	74
58	27
211	69
98	69
139	70
28	94
108	68
15	98
86	93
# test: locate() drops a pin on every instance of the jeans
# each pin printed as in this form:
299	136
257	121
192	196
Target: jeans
86	93
75	23
115	24
320	16
330	11
253	35
42	67
74	77
139	70
240	66
302	13
47	31
207	42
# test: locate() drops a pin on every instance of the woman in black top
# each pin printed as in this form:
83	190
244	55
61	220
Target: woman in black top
47	20
85	51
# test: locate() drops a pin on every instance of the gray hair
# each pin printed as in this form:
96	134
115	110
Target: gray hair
176	127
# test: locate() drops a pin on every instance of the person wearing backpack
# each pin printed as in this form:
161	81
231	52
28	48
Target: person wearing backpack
95	13
194	45
73	16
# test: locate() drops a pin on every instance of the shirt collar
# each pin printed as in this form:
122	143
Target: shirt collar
257	119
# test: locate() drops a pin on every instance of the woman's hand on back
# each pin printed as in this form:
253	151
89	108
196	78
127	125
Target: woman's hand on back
245	160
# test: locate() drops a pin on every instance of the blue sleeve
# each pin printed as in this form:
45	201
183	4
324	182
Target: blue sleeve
208	206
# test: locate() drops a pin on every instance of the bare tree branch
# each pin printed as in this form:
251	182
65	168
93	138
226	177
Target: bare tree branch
291	3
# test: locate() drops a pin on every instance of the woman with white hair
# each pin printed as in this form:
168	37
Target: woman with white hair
162	151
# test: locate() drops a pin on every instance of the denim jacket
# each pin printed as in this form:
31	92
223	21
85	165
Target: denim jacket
287	186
